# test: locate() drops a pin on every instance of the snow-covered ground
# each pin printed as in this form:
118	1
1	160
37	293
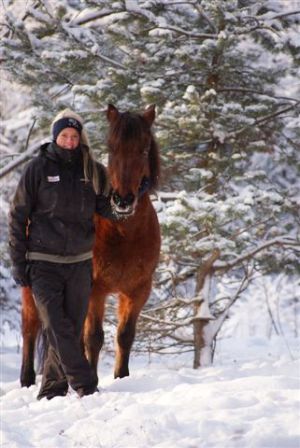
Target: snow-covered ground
249	398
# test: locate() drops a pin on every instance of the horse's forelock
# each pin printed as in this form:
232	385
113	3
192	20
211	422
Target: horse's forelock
128	126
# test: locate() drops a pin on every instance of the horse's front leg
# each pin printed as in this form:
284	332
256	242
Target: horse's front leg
130	307
30	328
93	328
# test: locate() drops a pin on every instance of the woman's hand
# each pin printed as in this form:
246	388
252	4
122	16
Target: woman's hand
20	273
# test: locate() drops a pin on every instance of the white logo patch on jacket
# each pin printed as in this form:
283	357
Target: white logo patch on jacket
53	178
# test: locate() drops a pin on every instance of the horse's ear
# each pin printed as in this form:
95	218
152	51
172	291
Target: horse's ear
112	113
149	114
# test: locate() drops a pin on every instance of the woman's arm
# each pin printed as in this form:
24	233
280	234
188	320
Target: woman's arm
19	215
103	203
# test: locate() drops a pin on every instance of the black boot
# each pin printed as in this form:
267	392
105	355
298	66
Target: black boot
49	395
82	391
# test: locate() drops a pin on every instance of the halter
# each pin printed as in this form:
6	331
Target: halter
144	186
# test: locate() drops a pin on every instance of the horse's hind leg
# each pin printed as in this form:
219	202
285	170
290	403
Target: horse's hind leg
93	330
128	312
30	328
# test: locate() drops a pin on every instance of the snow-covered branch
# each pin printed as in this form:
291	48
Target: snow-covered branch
281	241
76	34
92	16
265	119
187	33
256	92
206	17
24	157
276	114
161	24
285	14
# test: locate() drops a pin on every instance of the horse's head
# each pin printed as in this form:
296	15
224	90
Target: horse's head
133	164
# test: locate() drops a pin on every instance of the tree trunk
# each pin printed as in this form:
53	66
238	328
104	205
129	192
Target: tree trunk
203	340
202	349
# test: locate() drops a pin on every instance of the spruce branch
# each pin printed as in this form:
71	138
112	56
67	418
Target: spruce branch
185	33
256	28
265	119
92	16
206	18
95	51
255	92
280	241
285	14
276	114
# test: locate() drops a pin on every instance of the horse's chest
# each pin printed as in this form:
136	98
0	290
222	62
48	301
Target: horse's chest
120	261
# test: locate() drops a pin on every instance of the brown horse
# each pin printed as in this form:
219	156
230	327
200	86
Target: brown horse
126	251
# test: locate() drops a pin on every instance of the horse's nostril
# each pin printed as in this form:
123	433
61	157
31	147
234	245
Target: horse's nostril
117	199
129	198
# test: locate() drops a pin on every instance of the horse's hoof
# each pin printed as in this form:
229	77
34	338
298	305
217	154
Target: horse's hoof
27	380
27	383
121	373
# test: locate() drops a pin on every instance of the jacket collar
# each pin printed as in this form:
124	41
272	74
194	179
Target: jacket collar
57	154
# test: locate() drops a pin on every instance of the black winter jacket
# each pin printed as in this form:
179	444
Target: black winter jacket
53	207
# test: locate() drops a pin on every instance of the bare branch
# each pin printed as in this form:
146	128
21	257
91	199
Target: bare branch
217	324
269	309
160	321
29	134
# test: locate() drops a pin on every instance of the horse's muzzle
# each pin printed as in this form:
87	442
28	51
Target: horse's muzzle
124	206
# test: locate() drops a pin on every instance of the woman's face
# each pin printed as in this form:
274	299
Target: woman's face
68	138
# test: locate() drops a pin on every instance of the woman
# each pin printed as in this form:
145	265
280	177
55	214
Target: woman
51	238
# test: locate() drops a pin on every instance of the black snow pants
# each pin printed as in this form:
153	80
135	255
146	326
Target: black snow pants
61	293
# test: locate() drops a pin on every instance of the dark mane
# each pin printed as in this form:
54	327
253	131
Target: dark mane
154	164
130	127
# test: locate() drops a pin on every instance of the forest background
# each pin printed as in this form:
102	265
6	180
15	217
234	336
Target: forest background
224	76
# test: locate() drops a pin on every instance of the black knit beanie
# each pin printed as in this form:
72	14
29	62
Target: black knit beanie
63	123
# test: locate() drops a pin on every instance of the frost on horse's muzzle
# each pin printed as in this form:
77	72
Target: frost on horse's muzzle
124	206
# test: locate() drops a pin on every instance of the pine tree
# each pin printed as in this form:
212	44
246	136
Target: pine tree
219	72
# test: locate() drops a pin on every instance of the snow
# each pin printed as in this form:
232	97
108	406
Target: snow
248	398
